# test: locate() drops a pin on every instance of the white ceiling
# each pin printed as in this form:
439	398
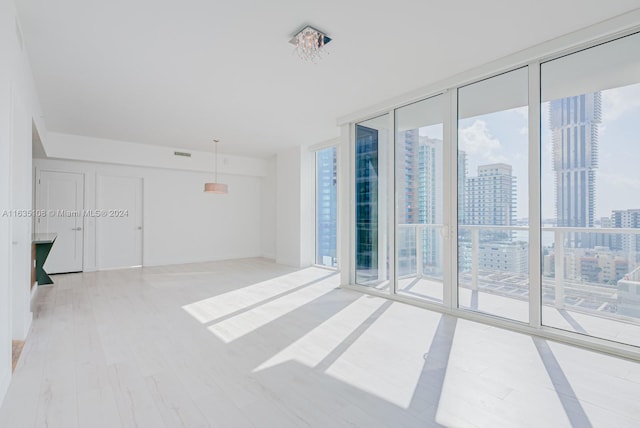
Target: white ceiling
180	73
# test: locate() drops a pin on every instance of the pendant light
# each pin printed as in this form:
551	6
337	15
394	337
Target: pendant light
216	187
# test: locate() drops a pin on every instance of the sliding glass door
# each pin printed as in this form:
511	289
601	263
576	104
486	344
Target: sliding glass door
462	199
493	229
419	165
373	202
591	182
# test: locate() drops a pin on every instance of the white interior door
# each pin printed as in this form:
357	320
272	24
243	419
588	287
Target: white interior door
61	194
119	224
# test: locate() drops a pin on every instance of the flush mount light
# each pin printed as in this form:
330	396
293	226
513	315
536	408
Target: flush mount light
216	187
310	43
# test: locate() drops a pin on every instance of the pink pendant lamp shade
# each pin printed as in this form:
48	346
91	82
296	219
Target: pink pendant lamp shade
215	187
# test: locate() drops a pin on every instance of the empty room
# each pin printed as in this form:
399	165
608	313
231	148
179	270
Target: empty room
335	214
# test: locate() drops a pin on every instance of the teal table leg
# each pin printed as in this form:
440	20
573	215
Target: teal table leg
42	251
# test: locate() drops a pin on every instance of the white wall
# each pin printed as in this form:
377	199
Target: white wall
20	227
182	224
5	197
288	206
295	199
18	108
307	206
269	210
90	149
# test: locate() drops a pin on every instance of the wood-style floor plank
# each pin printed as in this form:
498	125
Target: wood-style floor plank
248	343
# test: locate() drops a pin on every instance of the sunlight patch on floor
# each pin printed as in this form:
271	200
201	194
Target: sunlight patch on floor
496	375
387	359
244	323
316	345
215	307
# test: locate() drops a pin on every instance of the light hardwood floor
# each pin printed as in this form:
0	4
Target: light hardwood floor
248	343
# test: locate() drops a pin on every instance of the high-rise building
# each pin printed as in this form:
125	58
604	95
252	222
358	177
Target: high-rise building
419	193
326	207
430	202
629	243
462	181
490	199
408	206
574	125
367	202
407	186
604	239
628	296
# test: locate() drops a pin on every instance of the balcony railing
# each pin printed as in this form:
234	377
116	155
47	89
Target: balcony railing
572	276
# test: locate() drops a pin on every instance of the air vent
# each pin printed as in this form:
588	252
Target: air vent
19	35
183	154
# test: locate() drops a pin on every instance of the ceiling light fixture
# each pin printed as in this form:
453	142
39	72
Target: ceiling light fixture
310	44
216	187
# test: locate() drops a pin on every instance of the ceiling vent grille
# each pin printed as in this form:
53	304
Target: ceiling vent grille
183	154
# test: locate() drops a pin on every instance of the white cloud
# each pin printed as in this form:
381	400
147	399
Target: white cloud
618	101
523	112
477	140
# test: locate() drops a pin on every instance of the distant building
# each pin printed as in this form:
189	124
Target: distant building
419	194
497	256
430	181
628	243
574	125
604	239
367	203
629	294
490	199
326	206
597	265
407	189
462	181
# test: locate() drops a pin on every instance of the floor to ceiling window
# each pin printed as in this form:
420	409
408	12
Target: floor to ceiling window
591	182
372	202
462	172
493	268
326	207
419	189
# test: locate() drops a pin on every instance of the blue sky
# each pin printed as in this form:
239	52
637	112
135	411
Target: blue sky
502	137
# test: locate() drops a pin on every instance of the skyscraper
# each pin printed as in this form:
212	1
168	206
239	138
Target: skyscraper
574	125
490	199
407	189
366	202
326	206
430	202
419	193
462	181
628	243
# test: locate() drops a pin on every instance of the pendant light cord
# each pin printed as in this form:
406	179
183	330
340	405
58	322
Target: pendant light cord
216	160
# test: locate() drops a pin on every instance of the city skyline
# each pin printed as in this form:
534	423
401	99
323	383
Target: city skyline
503	137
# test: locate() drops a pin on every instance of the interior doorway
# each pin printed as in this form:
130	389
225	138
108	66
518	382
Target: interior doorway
61	197
119	224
